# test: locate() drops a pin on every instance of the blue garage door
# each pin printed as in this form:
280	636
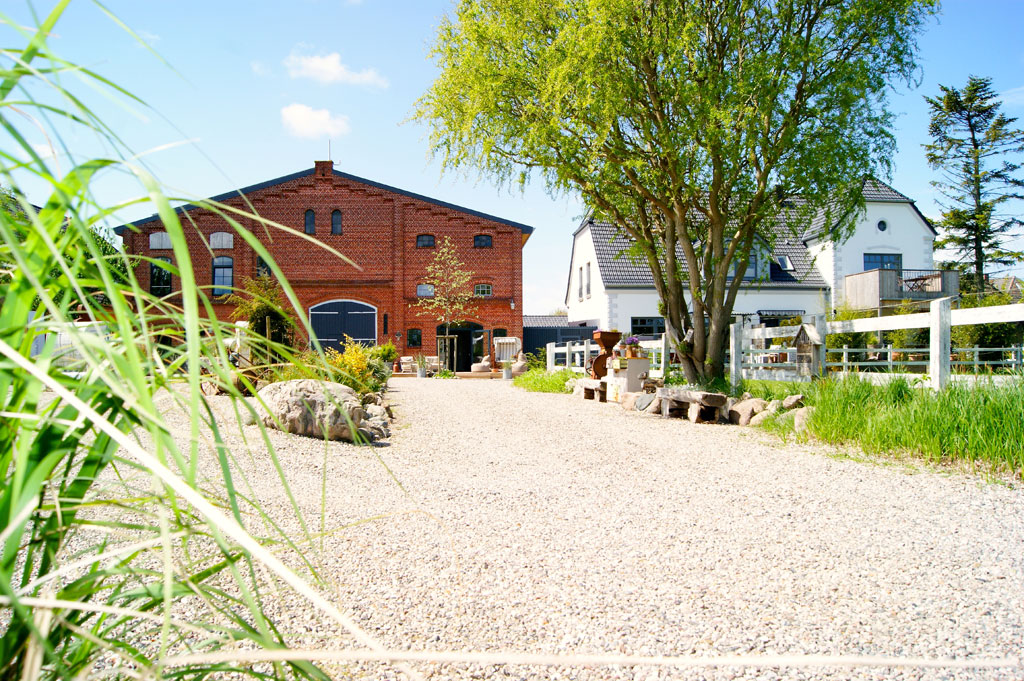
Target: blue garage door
333	321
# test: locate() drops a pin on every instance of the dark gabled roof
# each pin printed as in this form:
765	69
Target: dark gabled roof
525	229
620	270
875	191
546	320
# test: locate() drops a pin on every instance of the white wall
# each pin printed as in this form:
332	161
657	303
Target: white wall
906	234
624	304
594	306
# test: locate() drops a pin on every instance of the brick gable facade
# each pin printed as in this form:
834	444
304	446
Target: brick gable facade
380	226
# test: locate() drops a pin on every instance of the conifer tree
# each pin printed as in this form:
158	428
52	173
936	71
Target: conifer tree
974	145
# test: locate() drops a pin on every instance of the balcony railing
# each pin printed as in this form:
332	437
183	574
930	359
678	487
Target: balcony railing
875	288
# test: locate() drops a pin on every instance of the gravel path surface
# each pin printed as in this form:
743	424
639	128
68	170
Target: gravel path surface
545	524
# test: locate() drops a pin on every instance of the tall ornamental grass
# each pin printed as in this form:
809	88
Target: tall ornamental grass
106	534
981	424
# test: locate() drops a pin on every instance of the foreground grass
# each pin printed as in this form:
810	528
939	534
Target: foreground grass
982	424
540	381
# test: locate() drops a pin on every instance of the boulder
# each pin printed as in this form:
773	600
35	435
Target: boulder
744	410
628	400
758	419
644	400
311	408
787	417
376	411
654	407
774	406
793	401
801	417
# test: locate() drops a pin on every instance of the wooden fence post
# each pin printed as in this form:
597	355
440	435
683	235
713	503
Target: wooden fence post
550	358
821	326
938	359
664	356
889	346
586	353
846	358
736	353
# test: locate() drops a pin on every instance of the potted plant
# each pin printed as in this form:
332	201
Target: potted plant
421	365
632	347
506	369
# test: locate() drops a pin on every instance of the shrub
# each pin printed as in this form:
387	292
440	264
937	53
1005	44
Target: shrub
540	381
356	367
387	352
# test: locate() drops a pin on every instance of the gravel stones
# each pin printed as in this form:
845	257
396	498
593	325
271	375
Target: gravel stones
539	523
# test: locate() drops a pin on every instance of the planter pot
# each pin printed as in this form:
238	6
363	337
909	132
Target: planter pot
421	372
607	339
506	374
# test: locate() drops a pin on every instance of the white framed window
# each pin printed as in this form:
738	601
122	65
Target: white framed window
223	275
483	290
785	264
424	290
222	240
160	241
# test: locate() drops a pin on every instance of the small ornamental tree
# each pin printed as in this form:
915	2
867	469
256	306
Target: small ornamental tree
453	300
262	304
976	148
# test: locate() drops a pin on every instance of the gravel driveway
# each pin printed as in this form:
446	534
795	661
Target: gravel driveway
545	524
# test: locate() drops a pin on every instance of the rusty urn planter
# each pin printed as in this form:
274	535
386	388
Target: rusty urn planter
607	340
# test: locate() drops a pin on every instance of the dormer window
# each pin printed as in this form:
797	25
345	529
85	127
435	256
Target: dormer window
310	222
785	264
222	240
751	272
482	241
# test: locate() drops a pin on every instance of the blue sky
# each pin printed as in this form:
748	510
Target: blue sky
254	90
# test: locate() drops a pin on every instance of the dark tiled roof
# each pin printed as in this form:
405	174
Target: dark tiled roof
874	190
621	270
525	229
548	320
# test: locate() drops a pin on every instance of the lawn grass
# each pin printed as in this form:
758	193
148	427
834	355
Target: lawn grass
540	381
980	424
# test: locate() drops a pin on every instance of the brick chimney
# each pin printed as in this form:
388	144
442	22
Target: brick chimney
323	168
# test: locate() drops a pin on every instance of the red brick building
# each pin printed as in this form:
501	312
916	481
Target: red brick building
391	234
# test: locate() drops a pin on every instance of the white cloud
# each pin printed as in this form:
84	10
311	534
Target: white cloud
259	68
329	69
303	121
150	37
1013	97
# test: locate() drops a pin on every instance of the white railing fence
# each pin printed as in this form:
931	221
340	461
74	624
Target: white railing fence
576	356
937	360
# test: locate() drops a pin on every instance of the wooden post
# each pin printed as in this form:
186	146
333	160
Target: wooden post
821	354
938	361
976	353
550	358
846	359
586	353
889	346
664	356
736	353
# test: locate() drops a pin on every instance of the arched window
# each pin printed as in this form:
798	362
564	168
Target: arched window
223	275
482	241
159	241
159	278
222	240
310	222
425	241
336	222
483	290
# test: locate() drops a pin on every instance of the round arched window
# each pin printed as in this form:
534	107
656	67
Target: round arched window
882	225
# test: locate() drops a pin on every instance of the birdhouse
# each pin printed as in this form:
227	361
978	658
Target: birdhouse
808	350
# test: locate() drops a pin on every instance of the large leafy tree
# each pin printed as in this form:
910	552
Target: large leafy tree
976	147
690	124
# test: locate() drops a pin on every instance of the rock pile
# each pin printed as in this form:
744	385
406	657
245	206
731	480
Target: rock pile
321	409
745	411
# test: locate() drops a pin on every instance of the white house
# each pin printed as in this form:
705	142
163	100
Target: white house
887	258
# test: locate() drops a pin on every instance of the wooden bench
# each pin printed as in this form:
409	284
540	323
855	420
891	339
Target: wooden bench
695	405
593	389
